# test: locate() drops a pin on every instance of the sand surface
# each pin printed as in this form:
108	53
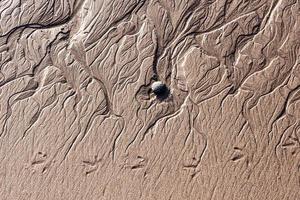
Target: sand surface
79	121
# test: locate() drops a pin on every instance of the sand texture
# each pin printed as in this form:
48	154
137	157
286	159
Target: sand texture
80	120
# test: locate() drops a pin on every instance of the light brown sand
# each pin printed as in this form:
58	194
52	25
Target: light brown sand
78	119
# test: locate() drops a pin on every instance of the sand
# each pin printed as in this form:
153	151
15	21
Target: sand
80	121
